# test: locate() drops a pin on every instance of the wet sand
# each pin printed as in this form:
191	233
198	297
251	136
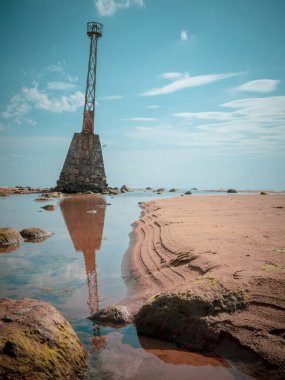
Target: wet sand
233	242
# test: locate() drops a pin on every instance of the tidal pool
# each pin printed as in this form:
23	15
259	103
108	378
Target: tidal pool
78	270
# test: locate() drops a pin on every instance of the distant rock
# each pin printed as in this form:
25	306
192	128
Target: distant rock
172	190
125	189
9	236
35	233
188	192
148	188
38	343
263	193
112	315
160	190
232	191
49	207
54	194
42	199
194	189
113	191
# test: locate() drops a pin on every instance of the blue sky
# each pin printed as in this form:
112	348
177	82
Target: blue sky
189	93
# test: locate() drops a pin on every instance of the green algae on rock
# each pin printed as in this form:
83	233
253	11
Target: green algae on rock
9	236
38	343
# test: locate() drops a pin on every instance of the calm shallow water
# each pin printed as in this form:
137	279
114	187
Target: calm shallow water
78	270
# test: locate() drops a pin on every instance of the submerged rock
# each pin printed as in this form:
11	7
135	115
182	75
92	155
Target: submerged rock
112	315
9	236
38	343
49	207
35	233
54	194
188	192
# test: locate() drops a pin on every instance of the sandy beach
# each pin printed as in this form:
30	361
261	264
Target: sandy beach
226	253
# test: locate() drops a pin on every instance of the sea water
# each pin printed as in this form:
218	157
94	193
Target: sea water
79	270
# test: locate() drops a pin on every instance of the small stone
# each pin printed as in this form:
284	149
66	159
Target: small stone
49	207
35	233
112	315
231	191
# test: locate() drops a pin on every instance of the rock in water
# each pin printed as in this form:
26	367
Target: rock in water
112	315
9	236
35	233
232	191
38	343
49	207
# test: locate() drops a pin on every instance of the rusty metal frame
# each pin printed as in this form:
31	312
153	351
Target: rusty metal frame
94	32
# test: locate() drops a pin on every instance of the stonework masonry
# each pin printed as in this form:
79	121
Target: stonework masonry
83	169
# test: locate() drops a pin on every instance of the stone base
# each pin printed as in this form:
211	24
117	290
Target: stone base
83	169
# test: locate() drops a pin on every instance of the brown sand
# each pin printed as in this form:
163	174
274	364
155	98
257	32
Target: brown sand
237	240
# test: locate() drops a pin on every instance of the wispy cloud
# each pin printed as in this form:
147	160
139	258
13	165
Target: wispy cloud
140	119
259	86
16	109
204	115
110	7
60	86
153	106
183	35
111	97
172	75
252	125
188	81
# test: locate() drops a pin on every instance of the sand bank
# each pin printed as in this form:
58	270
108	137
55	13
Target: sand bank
209	272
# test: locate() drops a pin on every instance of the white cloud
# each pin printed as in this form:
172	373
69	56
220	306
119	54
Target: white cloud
153	106
57	67
17	109
260	86
60	86
172	75
111	97
188	81
110	7
41	100
204	115
183	35
140	119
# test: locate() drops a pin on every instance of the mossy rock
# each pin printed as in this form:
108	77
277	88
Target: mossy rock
182	316
35	233
9	236
38	343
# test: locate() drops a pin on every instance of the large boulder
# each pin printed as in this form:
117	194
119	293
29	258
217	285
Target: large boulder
38	343
9	236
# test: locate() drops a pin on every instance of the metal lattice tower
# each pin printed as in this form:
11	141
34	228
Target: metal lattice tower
94	32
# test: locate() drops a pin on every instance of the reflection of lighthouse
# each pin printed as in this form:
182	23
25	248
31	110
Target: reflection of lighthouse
84	218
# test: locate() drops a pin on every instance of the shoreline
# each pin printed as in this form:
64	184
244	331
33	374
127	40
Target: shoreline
227	251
